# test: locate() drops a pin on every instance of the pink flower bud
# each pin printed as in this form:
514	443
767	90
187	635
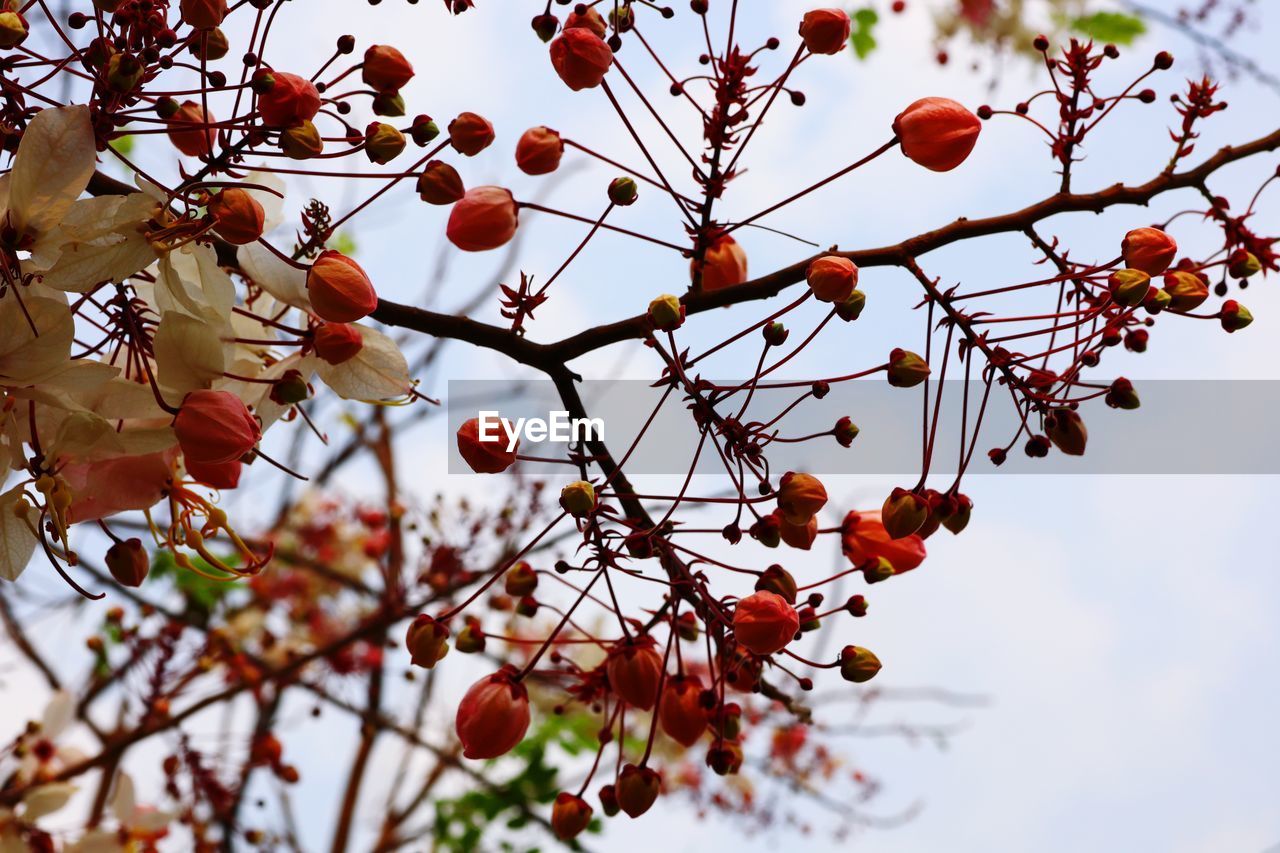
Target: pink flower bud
581	58
484	219
724	264
1148	249
286	100
214	427
832	278
937	133
539	151
493	715
470	134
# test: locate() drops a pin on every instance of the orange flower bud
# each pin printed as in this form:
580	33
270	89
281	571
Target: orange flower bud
638	788
493	715
211	46
385	68
858	664
203	14
800	497
724	264
336	343
1067	431
521	580
128	562
864	540
470	134
302	141
799	536
906	369
486	456
214	427
189	130
581	58
832	278
569	815
578	498
427	641
383	143
539	151
903	513
339	289
1187	291
286	100
634	670
1148	249
440	183
484	219
937	133
681	712
825	30
1129	287
764	623
779	581
237	216
216	475
589	19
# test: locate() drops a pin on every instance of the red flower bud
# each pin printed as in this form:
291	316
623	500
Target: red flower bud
286	100
216	475
336	343
1067	431
1243	264
634	669
1187	291
1234	316
569	815
128	562
846	431
339	289
493	715
427	641
470	134
864	540
825	30
489	455
623	191
237	216
724	264
580	58
539	151
214	427
521	580
799	536
189	130
764	623
385	68
725	757
203	14
832	278
589	19
680	712
779	581
637	789
1148	249
903	513
800	497
484	219
937	133
440	183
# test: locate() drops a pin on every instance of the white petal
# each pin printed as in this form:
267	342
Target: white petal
17	542
285	283
188	352
55	160
378	372
45	800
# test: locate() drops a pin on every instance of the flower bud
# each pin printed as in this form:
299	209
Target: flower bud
569	816
13	29
779	581
906	369
385	68
764	623
383	143
724	757
440	183
666	313
865	541
1187	291
520	580
389	104
724	264
216	475
879	569
285	100
800	497
339	289
427	641
1234	316
486	455
578	498
589	19
301	142
800	536
493	715
904	513
336	343
527	606
1067	431
681	712
825	31
211	46
634	669
539	151
1243	264
832	278
638	787
1148	249
545	26
203	14
1121	395
846	431
485	218
851	308
289	389
124	72
623	192
215	426
858	664
128	562
959	520
809	620
775	334
237	216
580	58
857	606
470	134
937	133
1129	287
471	638
767	530
423	130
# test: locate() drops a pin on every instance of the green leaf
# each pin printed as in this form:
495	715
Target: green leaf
202	593
122	145
861	37
1112	27
343	242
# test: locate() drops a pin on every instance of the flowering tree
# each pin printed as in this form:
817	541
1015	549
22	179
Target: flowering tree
156	326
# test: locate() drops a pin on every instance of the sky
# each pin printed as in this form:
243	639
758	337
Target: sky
1121	630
